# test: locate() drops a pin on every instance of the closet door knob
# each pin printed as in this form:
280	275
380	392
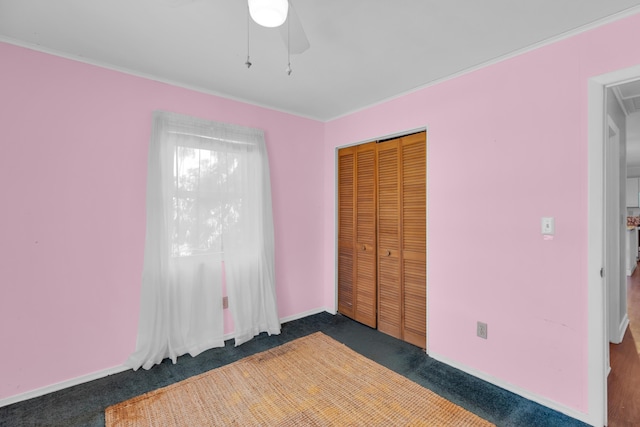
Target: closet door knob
388	252
364	247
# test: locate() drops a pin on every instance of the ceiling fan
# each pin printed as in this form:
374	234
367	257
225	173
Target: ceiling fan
271	14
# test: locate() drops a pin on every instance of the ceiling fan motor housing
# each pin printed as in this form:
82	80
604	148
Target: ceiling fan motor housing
269	13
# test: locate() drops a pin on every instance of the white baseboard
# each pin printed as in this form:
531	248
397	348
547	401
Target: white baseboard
117	369
631	269
515	389
62	385
331	311
302	315
622	329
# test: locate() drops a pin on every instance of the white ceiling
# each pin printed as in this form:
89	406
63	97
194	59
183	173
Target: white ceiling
362	51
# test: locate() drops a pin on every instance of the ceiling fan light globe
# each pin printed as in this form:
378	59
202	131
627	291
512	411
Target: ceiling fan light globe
269	13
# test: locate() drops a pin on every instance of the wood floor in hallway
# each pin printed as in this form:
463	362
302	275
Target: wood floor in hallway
624	379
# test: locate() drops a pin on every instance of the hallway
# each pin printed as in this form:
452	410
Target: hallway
624	379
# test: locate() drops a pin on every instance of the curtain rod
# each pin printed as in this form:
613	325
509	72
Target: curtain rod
210	137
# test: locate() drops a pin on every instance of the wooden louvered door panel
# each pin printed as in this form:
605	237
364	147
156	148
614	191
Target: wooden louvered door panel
366	277
389	271
357	276
346	230
414	237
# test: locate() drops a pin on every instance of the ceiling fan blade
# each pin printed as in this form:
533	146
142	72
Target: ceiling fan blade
297	36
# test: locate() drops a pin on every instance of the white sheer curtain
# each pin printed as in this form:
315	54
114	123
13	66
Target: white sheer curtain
208	210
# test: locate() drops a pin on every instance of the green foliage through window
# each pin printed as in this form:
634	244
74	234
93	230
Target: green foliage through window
206	200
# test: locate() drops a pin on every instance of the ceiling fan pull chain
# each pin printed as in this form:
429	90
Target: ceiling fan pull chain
248	63
289	70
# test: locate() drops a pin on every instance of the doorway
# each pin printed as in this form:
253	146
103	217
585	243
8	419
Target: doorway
598	322
623	120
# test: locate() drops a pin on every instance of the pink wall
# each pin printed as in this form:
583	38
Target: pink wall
73	166
507	144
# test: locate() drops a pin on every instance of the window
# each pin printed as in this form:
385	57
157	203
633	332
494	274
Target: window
206	204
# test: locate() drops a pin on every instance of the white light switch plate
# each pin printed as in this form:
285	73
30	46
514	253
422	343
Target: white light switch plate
548	225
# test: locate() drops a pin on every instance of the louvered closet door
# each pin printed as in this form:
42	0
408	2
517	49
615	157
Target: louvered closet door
382	236
357	233
366	277
414	237
389	271
346	230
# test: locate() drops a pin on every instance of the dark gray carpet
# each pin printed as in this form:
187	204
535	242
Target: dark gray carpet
84	405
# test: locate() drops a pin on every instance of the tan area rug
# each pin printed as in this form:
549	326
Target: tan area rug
312	381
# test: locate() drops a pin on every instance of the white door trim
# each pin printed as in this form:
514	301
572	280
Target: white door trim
614	281
597	337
